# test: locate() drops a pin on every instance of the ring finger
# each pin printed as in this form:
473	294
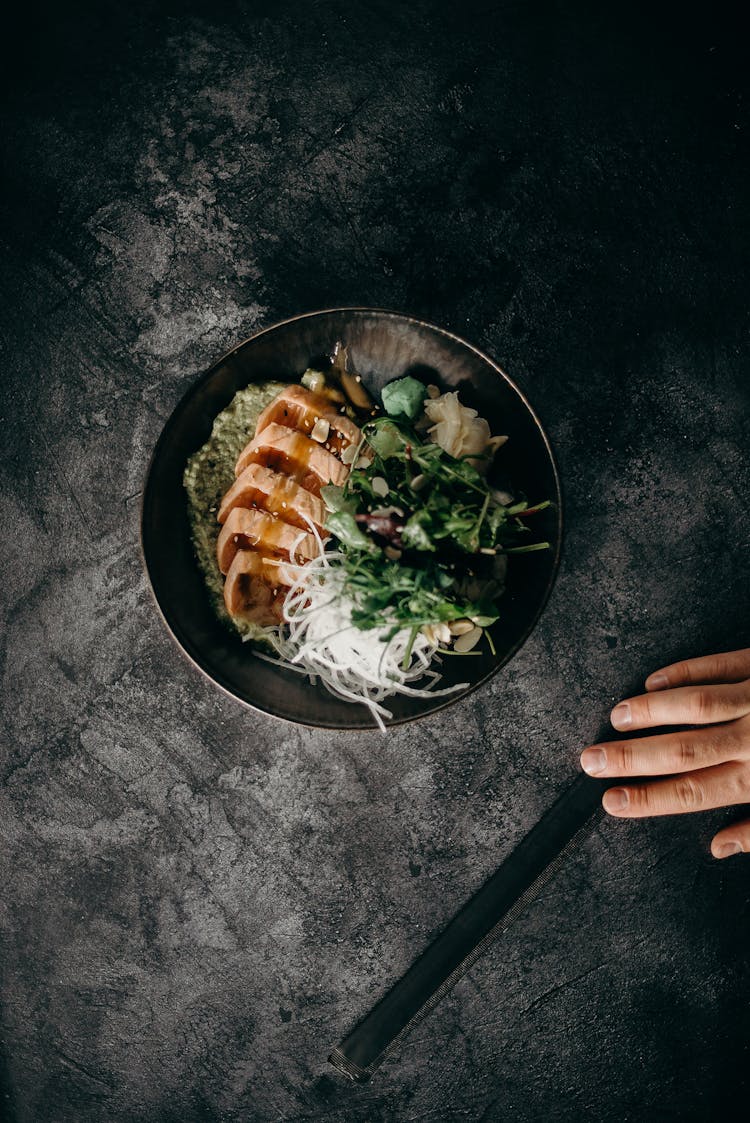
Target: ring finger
701	790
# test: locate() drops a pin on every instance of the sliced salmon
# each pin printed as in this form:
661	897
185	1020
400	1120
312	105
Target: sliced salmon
255	588
301	409
285	450
254	529
276	492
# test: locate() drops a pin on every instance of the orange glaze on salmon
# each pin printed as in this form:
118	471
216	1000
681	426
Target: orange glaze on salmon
250	528
300	409
276	492
286	450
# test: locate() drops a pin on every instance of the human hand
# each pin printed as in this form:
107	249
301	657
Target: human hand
707	767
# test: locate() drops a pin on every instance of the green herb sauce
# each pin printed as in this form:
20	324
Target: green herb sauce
209	473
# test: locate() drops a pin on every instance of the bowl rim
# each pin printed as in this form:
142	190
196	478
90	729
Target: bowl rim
369	725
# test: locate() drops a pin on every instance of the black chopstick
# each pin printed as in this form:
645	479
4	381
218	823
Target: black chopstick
489	912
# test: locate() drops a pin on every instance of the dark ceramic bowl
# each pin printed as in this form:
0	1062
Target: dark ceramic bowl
383	346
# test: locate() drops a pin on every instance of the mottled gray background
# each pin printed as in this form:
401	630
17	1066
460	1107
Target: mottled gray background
197	901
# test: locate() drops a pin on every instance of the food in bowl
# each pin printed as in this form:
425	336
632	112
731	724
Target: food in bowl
355	542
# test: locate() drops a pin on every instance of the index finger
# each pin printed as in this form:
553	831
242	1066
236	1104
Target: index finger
727	666
686	705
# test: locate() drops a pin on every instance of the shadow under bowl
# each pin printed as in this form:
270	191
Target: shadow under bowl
382	346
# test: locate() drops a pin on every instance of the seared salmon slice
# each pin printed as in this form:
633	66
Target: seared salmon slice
258	530
276	492
287	451
255	588
296	450
301	409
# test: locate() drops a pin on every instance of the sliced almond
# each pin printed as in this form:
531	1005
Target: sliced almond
460	627
380	486
469	640
436	633
392	553
320	430
418	482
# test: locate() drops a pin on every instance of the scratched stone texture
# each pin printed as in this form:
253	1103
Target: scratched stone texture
198	902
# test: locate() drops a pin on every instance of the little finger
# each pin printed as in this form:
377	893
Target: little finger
732	840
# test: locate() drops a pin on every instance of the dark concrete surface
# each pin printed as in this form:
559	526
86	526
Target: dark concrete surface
198	901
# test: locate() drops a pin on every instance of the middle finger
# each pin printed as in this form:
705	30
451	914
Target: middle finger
669	752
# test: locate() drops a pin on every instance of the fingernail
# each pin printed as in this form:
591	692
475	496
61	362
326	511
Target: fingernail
727	849
593	761
616	799
657	681
621	716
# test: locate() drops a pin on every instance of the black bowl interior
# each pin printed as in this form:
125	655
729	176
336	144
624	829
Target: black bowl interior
382	346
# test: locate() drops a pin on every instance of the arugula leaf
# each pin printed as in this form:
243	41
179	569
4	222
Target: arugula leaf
335	499
404	398
415	533
385	439
496	520
344	526
484	621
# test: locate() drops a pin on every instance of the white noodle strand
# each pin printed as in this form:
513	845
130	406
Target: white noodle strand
318	638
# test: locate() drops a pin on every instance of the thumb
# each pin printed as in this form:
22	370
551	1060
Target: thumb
734	839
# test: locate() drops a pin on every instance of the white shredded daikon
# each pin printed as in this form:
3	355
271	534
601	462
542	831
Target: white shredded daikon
358	665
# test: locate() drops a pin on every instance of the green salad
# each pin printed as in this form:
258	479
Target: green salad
423	536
